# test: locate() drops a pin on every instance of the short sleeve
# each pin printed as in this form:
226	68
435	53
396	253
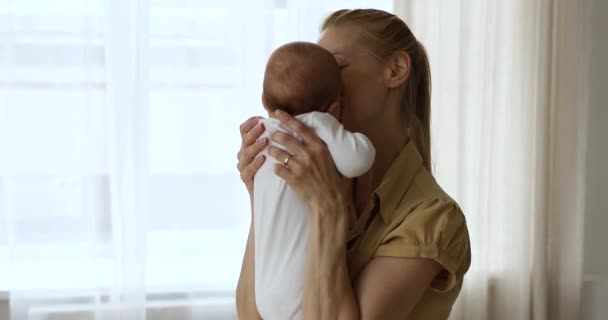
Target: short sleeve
434	229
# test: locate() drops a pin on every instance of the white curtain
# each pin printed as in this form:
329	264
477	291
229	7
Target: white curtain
119	197
509	107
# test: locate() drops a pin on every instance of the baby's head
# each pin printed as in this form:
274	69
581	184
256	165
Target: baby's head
301	77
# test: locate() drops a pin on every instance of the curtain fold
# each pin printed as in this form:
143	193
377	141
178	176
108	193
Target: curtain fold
508	142
569	98
126	52
74	188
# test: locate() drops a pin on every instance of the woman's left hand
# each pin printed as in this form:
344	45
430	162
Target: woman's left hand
310	170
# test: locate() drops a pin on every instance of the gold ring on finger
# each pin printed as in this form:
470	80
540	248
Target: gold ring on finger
286	161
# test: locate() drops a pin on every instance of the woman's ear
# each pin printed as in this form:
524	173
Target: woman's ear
335	109
398	69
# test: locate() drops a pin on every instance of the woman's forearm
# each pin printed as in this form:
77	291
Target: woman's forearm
245	291
328	293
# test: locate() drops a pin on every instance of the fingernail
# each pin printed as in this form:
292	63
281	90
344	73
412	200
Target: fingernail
261	125
263	141
260	157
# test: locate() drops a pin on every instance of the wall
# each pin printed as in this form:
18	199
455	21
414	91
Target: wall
595	287
4	309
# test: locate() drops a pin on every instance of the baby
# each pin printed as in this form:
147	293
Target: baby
302	79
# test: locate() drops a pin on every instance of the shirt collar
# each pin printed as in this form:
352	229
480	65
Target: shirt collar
397	180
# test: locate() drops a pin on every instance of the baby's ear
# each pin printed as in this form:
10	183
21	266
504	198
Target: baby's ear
335	109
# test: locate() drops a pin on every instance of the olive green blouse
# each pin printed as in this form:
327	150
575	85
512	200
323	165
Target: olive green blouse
412	217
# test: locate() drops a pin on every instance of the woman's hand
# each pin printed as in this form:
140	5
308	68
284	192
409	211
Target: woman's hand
310	170
249	161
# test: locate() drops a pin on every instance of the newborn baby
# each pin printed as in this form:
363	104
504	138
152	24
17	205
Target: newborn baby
302	79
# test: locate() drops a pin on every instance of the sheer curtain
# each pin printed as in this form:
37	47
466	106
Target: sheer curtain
509	108
119	197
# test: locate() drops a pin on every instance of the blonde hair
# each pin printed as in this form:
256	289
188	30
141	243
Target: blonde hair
386	34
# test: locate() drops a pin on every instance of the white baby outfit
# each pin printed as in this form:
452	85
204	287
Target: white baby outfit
281	217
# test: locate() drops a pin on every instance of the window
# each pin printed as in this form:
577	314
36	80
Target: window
205	61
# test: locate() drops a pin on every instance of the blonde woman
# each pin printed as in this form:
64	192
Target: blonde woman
390	244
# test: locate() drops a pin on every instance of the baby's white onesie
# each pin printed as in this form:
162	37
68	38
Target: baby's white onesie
281	217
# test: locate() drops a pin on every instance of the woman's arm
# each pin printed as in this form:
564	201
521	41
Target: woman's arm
248	165
245	291
328	293
388	288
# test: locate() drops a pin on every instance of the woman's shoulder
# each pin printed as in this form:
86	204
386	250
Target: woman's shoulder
427	214
425	187
425	194
428	223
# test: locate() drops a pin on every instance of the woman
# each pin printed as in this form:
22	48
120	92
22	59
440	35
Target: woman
390	244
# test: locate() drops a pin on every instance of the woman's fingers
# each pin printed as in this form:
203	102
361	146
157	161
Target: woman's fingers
249	171
280	155
284	173
288	141
252	135
296	125
250	132
248	125
248	153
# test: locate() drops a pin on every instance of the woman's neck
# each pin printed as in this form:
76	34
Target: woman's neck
388	142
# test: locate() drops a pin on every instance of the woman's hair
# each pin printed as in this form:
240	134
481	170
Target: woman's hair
386	34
